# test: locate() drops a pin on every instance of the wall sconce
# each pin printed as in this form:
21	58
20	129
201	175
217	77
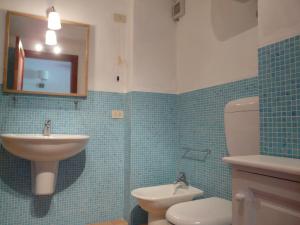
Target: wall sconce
51	37
43	75
54	22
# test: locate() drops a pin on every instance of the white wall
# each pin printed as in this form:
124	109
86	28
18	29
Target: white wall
108	39
154	47
2	31
151	44
216	43
278	20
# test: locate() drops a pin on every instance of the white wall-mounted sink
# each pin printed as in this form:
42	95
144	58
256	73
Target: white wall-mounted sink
44	153
37	147
157	199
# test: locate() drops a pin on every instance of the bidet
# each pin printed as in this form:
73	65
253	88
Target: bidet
156	200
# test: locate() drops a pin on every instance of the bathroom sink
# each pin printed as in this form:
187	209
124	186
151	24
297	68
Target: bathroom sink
37	147
156	200
44	153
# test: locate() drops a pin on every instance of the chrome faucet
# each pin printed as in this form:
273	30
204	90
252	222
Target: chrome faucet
47	128
181	179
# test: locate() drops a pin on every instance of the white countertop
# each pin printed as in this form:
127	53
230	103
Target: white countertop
273	163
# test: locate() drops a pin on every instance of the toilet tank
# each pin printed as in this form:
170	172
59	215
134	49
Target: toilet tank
241	118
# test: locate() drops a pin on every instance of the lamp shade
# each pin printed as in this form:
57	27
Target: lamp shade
43	74
51	37
54	21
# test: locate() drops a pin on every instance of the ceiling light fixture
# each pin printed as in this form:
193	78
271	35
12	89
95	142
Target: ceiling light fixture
54	22
51	37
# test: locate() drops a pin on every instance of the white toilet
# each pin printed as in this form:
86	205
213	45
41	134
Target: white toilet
241	119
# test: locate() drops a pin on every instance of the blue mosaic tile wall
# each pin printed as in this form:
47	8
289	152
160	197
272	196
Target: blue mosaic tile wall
201	126
145	148
153	142
127	159
95	185
279	90
90	185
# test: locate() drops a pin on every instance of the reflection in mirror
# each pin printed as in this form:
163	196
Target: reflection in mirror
32	66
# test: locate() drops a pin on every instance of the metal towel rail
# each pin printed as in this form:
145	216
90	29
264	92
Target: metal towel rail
196	155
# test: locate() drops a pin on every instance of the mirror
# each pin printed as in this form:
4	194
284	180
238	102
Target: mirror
33	67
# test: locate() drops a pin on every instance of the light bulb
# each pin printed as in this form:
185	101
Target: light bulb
51	37
54	21
57	50
38	47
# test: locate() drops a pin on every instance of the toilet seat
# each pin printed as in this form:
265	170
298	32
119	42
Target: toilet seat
209	211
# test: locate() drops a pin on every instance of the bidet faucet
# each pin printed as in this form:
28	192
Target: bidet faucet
181	178
47	128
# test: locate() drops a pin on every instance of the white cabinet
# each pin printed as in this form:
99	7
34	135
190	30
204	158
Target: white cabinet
265	195
264	200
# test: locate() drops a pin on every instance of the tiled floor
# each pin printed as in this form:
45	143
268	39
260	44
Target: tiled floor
113	222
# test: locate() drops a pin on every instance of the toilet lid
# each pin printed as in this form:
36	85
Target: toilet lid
209	211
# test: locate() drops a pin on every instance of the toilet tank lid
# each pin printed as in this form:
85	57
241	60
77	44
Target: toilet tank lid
243	105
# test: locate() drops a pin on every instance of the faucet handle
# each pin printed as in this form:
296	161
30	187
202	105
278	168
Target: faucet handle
181	175
181	178
47	128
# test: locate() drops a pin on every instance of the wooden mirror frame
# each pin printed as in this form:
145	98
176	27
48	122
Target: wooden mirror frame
5	58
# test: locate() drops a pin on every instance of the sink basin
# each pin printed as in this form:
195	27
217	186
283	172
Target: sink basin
37	147
157	199
44	153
